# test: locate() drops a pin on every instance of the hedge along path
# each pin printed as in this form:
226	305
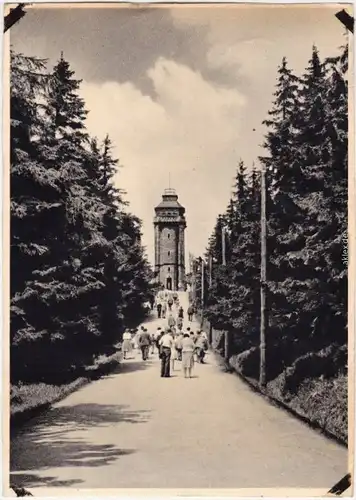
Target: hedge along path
134	429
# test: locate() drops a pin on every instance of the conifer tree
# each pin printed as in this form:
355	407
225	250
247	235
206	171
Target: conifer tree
245	264
81	269
34	203
285	219
306	161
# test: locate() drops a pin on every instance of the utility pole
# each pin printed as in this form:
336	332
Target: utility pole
223	245
202	282
194	279
263	324
210	270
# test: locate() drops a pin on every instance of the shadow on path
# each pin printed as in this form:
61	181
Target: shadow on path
129	365
49	442
32	480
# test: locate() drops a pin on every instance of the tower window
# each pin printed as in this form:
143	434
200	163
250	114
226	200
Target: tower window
169	269
168	235
169	253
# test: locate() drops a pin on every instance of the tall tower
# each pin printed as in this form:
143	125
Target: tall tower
169	224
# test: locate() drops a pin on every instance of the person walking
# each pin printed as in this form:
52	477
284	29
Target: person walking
180	324
190	313
166	344
136	338
179	345
144	343
164	310
201	346
187	355
174	353
159	310
153	342
158	336
133	333
170	303
126	343
152	302
171	322
204	335
181	312
193	336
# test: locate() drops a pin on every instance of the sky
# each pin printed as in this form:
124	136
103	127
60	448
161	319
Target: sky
181	90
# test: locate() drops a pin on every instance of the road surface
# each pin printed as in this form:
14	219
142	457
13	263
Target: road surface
134	429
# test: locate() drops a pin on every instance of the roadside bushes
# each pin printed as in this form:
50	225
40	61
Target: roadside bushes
326	363
322	401
247	363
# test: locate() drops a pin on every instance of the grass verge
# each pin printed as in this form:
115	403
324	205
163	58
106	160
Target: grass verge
28	400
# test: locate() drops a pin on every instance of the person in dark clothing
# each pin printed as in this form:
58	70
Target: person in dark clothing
180	324
181	313
166	345
190	312
145	342
159	310
158	337
179	345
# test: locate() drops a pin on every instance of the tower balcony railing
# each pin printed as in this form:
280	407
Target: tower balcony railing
169	218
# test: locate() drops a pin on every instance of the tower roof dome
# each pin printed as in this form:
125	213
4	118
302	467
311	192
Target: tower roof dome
169	199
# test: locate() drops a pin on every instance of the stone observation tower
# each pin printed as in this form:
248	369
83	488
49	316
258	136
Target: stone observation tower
169	224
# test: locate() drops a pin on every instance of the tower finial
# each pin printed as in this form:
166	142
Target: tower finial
169	180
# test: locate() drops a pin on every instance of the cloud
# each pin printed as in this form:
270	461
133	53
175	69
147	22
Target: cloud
181	89
241	58
191	130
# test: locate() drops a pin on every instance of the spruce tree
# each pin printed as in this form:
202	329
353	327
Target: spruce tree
35	191
285	219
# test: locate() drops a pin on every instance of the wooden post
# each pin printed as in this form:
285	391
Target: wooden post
210	334
227	346
210	270
263	324
223	243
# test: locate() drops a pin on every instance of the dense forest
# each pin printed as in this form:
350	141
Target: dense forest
79	274
305	159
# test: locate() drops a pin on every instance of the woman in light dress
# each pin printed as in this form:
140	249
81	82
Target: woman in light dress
174	352
188	347
136	339
126	343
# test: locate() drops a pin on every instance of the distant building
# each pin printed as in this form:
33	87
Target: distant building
169	224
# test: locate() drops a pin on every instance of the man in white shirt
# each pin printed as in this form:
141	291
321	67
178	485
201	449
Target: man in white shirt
166	344
156	337
203	335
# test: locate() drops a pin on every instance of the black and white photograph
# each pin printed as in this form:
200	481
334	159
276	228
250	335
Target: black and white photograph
178	182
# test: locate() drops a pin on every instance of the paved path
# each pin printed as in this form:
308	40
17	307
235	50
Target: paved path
134	429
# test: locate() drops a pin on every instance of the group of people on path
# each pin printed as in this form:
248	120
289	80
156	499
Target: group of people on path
168	303
181	346
171	342
136	339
